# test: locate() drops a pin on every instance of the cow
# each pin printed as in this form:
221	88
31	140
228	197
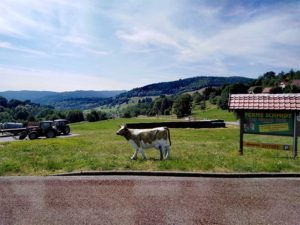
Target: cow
141	139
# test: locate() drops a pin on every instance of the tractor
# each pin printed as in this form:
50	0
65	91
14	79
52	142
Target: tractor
45	128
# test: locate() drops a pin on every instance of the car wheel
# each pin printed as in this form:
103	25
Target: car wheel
67	130
33	135
50	134
23	135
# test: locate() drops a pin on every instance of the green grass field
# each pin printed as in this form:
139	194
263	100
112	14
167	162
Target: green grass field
213	112
99	148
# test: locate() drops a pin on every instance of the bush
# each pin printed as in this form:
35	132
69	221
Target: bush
126	114
213	98
103	115
92	116
75	116
197	98
96	116
183	105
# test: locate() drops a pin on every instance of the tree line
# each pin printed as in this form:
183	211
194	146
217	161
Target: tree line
27	111
181	105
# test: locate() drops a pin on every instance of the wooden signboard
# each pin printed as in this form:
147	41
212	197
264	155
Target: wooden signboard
268	146
268	114
269	123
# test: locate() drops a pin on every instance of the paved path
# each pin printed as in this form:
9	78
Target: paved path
148	200
237	123
10	139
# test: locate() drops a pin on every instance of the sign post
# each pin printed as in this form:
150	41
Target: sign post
268	114
295	139
268	123
241	151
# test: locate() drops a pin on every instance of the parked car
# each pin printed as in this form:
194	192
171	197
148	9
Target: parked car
62	126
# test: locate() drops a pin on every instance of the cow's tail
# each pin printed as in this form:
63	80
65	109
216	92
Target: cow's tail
169	136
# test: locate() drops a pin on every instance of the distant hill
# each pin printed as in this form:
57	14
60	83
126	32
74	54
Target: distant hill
71	95
26	95
93	99
50	96
183	85
64	100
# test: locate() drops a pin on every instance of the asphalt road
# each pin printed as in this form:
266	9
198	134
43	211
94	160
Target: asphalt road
148	200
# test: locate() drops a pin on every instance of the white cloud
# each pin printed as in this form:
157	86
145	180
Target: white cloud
58	23
77	40
263	34
97	52
9	46
17	18
147	37
55	80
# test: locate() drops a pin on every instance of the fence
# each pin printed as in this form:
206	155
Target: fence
183	124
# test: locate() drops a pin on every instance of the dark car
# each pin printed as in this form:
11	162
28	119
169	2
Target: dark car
62	126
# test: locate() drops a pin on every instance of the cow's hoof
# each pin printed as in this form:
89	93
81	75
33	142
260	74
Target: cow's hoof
133	158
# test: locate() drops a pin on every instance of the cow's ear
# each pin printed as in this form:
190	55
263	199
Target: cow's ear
125	126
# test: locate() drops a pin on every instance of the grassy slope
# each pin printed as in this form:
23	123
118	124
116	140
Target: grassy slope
213	112
98	148
118	108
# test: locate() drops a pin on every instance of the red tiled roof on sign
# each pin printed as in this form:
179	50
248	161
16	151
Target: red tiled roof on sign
265	101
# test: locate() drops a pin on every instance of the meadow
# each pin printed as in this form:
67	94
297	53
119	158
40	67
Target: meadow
99	148
213	112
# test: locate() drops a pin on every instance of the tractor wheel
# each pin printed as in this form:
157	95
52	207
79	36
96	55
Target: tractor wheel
33	135
67	130
23	135
50	134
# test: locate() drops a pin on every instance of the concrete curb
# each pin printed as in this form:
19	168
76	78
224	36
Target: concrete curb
179	174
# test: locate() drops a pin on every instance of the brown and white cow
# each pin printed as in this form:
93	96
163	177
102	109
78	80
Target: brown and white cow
141	139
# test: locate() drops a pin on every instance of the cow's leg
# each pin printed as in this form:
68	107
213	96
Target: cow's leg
161	152
143	154
167	151
134	156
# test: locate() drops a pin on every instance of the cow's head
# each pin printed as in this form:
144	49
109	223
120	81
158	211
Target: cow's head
123	130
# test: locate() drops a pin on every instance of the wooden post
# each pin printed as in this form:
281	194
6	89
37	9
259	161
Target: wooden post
295	139
241	113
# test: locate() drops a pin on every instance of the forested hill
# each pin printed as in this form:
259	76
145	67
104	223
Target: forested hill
26	95
49	97
76	95
93	99
183	85
64	100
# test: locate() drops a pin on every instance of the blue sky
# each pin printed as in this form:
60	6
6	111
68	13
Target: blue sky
63	45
